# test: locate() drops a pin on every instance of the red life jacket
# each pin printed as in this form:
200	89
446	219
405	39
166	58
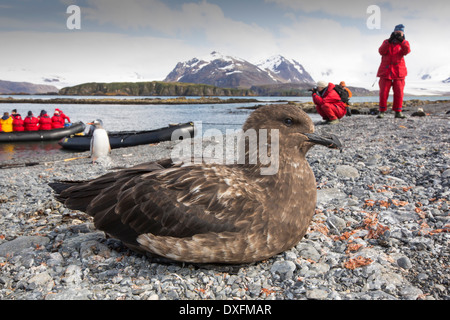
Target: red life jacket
17	123
57	122
31	123
392	60
45	123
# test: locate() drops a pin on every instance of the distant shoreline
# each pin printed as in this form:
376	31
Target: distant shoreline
108	100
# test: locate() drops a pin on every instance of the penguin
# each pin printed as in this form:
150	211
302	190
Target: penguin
100	146
419	113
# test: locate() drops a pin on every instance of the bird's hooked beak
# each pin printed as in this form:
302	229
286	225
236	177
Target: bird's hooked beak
330	141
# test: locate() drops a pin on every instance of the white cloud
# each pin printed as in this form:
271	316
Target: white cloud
430	9
341	8
82	57
323	44
196	20
133	14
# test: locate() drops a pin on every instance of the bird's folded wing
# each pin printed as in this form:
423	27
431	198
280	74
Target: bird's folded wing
177	202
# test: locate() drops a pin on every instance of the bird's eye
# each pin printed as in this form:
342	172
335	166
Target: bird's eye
288	122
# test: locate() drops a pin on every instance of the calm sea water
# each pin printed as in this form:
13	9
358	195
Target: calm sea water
124	118
141	117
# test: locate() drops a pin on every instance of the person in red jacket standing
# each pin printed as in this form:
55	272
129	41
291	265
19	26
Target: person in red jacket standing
31	123
45	122
17	121
57	121
328	102
392	70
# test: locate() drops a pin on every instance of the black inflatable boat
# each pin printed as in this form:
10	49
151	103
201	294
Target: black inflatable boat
41	135
131	138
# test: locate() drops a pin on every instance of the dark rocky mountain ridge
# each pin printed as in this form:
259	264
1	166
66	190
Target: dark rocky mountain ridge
232	72
9	87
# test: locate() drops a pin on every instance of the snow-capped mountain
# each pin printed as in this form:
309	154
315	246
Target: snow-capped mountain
232	72
285	70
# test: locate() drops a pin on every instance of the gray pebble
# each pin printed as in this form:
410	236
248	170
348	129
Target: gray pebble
404	263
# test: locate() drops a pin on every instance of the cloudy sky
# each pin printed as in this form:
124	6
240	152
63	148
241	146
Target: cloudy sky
140	40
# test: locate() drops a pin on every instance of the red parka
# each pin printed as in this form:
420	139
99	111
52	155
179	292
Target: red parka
392	60
63	116
45	122
31	123
57	122
17	123
329	105
329	96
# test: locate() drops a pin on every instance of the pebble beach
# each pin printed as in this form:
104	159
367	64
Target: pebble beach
381	229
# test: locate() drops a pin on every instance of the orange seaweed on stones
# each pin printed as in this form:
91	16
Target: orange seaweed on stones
357	262
267	292
375	228
353	247
420	212
376	233
425	232
320	227
399	203
436	231
370	220
383	203
369	203
344	236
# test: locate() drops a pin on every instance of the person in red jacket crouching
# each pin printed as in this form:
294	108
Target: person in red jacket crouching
17	121
392	70
31	123
328	102
45	122
57	120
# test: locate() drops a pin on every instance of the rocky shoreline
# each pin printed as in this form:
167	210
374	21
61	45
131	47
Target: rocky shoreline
381	229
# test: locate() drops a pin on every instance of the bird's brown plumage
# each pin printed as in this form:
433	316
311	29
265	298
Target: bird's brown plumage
209	213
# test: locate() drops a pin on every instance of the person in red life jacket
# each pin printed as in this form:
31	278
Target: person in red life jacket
328	102
57	121
17	121
45	122
31	123
63	116
392	70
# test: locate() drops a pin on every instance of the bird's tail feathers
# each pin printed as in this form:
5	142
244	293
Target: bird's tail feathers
60	186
